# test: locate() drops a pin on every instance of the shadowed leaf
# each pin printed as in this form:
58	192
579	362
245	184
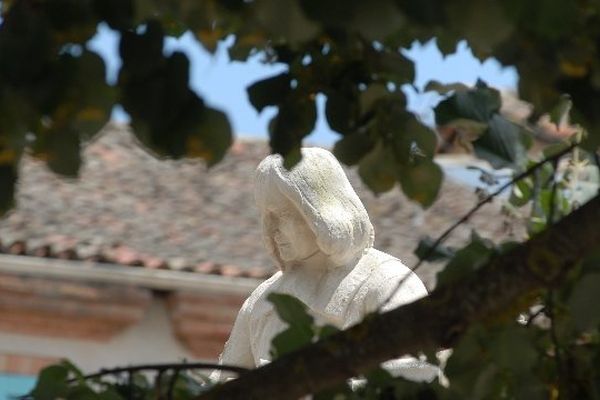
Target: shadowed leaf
421	181
269	92
377	169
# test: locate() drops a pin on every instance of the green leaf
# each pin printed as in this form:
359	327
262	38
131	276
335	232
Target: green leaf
270	91
295	120
301	329
421	181
142	53
212	139
503	144
445	88
377	169
372	96
51	383
521	192
561	112
109	394
118	14
285	21
393	66
583	302
467	260
512	349
425	250
414	141
341	112
8	180
326	330
352	148
73	369
467	131
553	149
291	310
289	340
479	104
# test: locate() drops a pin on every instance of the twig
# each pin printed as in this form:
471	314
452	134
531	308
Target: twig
171	387
163	367
473	210
550	219
597	161
158	384
533	316
560	371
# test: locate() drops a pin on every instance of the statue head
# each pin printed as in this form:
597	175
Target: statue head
312	205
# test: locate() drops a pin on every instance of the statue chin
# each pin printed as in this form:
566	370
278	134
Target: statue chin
313	221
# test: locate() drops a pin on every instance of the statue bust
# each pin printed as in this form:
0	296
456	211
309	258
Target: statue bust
319	234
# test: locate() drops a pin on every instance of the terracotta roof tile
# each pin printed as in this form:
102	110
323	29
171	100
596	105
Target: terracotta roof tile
129	207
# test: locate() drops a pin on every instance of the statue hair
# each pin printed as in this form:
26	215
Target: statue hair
320	190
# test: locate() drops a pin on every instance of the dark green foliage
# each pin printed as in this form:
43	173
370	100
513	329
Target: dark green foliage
53	97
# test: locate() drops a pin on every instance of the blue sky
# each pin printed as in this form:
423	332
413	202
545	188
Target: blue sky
222	83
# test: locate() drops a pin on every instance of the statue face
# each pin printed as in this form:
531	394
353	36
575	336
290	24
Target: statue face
292	238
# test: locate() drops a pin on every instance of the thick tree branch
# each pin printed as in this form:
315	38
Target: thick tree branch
435	321
529	171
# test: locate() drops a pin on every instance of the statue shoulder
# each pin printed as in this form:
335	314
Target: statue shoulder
260	292
389	271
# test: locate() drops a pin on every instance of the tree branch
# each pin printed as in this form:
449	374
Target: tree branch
438	320
163	367
531	170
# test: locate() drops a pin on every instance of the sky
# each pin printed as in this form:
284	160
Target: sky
222	83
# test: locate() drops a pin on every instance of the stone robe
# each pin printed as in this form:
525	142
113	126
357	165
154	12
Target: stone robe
339	296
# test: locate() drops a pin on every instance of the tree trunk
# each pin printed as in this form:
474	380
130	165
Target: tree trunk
500	288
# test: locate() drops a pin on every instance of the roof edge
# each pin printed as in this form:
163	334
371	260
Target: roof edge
156	279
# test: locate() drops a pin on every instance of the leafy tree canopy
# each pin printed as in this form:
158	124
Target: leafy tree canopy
53	96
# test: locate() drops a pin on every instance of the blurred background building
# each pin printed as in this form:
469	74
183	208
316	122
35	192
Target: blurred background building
145	260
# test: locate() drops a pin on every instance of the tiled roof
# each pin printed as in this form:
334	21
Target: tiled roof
131	208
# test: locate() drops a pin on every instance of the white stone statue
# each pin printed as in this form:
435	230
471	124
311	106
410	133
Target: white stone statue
319	234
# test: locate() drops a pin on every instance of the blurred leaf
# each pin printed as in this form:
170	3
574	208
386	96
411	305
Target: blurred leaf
583	302
289	340
296	119
285	21
373	21
373	96
326	330
51	383
483	24
61	150
421	181
560	113
512	349
213	138
393	66
479	104
341	112
467	260
445	88
467	131
291	310
118	14
350	149
108	394
377	169
142	53
425	250
8	180
300	331
270	91
503	144
414	141
521	192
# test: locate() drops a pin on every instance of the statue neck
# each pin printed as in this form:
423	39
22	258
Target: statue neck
318	262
